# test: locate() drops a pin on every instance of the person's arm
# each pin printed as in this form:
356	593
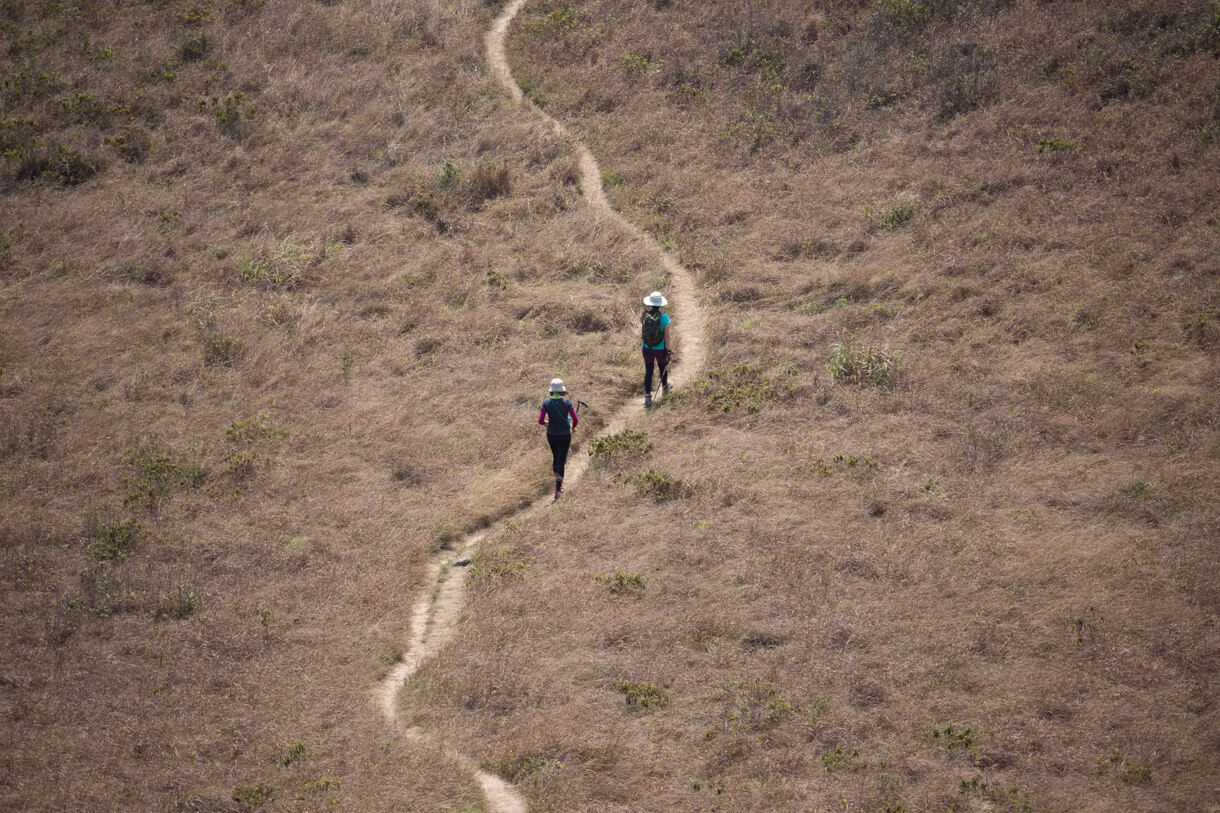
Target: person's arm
542	415
668	346
572	414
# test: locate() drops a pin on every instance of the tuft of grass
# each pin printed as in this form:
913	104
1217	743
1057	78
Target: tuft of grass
858	362
744	386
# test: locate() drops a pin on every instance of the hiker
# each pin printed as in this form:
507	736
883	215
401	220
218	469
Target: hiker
554	415
655	332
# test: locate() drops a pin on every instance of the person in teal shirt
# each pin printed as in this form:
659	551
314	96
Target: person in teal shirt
654	327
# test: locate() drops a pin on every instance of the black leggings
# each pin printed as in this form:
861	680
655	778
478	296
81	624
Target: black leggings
559	451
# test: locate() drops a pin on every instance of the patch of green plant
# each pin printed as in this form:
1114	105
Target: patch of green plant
744	386
104	596
322	784
155	473
1058	144
1201	325
496	564
842	462
65	166
619	445
496	280
230	112
253	795
643	694
22	567
950	738
132	144
753	704
845	759
998	797
1126	770
222	351
112	541
689	91
903	15
554	23
861	363
1085	627
177	602
254	430
240	464
295	751
886	311
196	15
195	49
622	581
540	773
636	65
660	485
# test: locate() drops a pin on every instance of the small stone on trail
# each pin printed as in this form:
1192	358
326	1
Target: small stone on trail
461	563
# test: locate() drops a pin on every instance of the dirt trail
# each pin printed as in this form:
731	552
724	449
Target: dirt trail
434	617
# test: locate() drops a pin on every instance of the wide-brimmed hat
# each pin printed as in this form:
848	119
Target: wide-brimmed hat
557	385
655	300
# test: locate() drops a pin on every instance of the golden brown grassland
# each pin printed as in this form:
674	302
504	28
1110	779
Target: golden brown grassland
281	284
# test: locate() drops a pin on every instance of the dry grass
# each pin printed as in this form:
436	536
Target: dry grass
336	221
990	585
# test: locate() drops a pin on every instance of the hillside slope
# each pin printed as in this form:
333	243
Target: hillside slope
281	285
986	583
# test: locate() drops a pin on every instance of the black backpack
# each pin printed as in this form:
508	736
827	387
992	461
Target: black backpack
654	331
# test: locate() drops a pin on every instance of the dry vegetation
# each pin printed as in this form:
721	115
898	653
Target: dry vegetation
281	284
281	287
977	568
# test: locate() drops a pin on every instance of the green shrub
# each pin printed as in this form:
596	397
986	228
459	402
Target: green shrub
103	596
222	351
112	541
156	473
177	602
252	430
195	48
253	795
621	581
619	445
860	363
643	694
660	485
840	758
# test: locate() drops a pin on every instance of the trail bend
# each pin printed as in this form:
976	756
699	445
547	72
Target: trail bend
435	613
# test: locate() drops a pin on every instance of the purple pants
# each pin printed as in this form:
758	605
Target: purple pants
661	359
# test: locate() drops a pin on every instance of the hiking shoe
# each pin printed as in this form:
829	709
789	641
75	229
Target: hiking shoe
647	400
664	390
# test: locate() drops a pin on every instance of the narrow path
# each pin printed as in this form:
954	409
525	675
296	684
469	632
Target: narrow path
435	614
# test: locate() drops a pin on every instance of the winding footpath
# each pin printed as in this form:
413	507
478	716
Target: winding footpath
435	613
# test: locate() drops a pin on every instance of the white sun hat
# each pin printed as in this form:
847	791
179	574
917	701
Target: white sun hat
655	300
557	385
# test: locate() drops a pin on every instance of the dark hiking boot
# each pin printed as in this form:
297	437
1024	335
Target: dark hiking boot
647	400
665	390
